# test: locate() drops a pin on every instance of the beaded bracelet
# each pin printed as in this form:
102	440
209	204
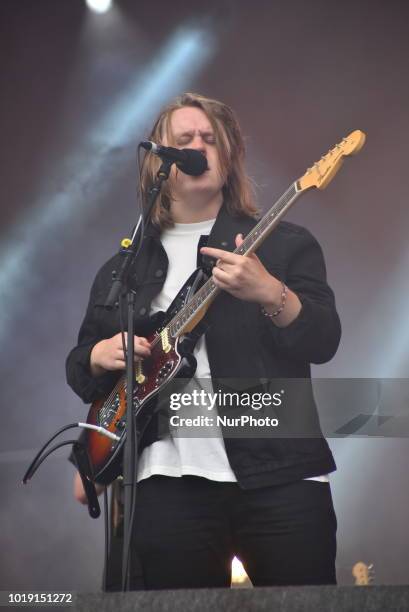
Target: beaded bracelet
284	291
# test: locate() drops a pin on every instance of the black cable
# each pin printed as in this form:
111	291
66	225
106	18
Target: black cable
32	468
127	543
82	461
107	541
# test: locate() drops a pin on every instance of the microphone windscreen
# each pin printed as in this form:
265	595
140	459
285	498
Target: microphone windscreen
194	164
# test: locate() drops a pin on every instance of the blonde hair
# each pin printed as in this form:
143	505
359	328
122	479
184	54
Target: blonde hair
238	188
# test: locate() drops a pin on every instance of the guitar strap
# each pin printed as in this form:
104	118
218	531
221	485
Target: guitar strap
80	455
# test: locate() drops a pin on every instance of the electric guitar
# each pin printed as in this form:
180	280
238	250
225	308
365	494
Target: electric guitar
171	357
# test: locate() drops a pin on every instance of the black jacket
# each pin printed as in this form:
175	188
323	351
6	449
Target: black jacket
241	343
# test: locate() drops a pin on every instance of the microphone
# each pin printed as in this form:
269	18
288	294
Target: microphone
189	161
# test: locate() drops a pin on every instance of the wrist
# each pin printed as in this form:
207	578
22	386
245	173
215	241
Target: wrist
94	366
275	306
271	299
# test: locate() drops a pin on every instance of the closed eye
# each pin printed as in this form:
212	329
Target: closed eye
209	138
183	140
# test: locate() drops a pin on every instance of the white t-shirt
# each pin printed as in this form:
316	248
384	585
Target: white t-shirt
174	455
179	456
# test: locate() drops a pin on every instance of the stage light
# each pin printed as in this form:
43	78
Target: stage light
170	71
239	575
99	6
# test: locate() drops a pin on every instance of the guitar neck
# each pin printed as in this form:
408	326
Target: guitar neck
265	226
190	315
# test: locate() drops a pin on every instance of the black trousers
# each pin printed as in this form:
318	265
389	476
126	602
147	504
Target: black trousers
187	530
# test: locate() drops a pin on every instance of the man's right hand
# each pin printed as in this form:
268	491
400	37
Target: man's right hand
109	355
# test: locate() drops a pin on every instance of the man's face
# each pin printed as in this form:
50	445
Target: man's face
191	129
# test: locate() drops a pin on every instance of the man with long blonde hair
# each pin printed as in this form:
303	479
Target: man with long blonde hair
201	501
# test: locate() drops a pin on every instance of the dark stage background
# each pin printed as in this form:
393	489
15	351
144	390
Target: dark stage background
78	91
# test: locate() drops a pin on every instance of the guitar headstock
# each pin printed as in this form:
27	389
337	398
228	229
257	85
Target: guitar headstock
324	170
363	573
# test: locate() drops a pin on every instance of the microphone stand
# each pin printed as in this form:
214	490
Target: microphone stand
130	456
